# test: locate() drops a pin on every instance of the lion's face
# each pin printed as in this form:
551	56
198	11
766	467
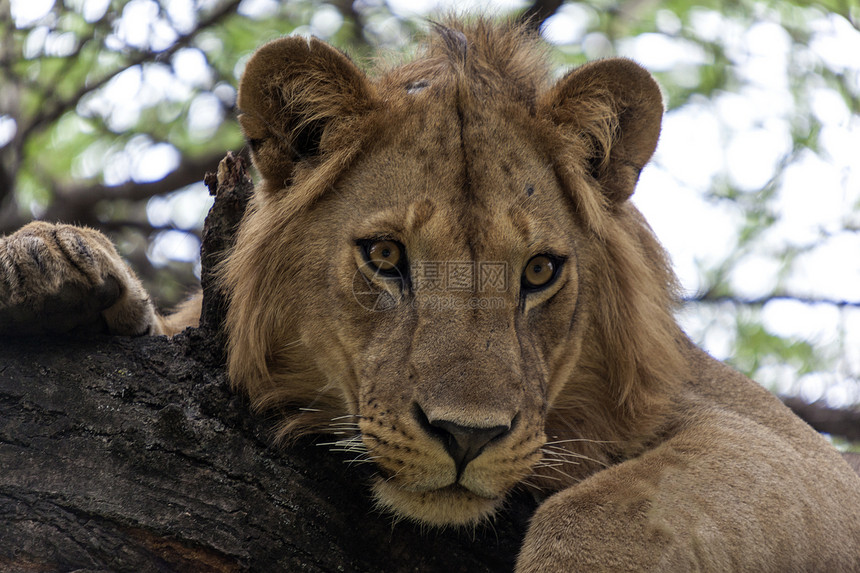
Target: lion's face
423	259
447	306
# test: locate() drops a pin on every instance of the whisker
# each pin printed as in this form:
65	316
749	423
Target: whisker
562	453
348	448
565	455
556	463
352	441
574	462
362	458
547	464
532	485
547	477
580	440
553	447
565	474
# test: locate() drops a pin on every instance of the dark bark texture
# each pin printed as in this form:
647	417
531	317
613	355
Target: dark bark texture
121	454
134	455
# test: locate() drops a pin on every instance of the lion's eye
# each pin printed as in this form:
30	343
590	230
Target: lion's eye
540	272
384	254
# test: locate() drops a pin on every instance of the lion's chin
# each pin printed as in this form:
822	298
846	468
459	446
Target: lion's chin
450	505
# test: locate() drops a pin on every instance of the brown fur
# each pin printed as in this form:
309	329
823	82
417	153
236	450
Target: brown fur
57	278
651	454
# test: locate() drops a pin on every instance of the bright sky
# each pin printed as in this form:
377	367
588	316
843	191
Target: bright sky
741	136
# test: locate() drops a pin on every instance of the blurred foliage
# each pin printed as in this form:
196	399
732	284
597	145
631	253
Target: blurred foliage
110	111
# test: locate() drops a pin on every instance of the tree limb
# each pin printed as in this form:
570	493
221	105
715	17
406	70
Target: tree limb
836	421
761	301
134	455
76	204
356	22
539	12
59	107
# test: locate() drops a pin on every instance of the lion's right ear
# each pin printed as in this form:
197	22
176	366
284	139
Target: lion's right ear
615	107
293	88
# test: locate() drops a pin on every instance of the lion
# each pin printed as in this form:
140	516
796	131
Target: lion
441	258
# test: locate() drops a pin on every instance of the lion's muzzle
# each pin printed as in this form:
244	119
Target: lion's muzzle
463	443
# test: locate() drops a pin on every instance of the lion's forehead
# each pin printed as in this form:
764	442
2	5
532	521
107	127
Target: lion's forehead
473	181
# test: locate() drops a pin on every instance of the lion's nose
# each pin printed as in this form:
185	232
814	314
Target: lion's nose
463	443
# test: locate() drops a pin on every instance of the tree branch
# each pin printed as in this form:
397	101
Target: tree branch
837	421
348	10
760	301
53	112
76	204
539	12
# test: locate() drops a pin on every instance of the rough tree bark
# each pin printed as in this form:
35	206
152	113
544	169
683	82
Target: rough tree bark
134	455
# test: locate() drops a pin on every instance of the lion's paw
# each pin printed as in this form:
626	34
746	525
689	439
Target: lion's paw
57	278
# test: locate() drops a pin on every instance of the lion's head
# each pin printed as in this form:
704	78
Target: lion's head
442	259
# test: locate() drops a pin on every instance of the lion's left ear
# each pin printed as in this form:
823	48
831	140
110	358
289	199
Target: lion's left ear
292	90
617	106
